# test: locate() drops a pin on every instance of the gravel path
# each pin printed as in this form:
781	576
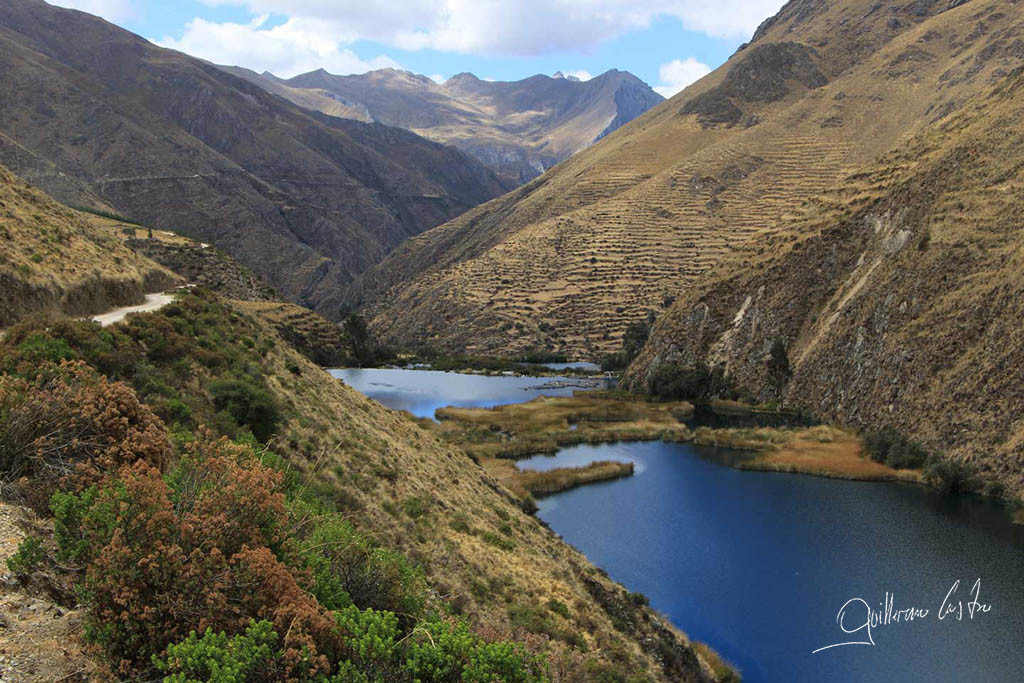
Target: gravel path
153	302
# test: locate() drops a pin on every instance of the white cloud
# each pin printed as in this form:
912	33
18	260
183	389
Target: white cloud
678	74
111	10
512	27
437	78
581	74
296	46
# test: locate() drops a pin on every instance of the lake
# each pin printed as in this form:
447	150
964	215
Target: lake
759	564
422	392
577	365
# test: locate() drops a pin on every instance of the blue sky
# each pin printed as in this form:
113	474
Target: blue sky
667	43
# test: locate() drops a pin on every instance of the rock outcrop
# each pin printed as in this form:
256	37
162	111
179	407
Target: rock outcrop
898	295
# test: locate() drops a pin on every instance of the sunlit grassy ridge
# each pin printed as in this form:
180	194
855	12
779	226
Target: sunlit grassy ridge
55	260
896	296
567	262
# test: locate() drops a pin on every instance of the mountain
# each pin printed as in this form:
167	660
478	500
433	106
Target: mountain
518	128
898	294
567	261
88	110
309	98
419	527
56	261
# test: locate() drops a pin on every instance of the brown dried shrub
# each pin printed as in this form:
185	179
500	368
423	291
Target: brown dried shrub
202	549
66	419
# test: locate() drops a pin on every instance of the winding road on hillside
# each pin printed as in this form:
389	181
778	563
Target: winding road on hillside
153	302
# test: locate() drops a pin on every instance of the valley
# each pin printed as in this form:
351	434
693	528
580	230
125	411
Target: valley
101	118
568	261
378	377
518	129
645	493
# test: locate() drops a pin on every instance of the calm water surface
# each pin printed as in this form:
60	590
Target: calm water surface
576	365
759	564
421	392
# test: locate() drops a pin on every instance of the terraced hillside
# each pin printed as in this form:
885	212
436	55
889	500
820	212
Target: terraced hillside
568	261
305	200
517	128
898	295
53	260
479	556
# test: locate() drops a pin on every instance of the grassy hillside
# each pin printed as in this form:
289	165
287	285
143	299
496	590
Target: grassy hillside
54	260
201	362
895	297
324	342
570	260
303	199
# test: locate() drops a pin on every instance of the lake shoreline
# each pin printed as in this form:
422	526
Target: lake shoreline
546	425
539	484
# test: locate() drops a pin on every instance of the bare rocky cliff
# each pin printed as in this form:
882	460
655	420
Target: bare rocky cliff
897	294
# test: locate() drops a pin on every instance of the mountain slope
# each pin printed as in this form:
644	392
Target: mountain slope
517	128
484	558
309	98
305	200
569	260
54	260
899	294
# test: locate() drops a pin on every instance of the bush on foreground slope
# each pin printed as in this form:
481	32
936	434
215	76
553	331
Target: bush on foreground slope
373	473
221	566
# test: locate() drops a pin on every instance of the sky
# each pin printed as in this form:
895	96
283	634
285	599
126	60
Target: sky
667	43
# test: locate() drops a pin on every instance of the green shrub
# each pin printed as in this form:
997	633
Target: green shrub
348	570
27	558
460	523
372	650
892	448
950	476
173	411
674	382
414	507
449	652
249	404
80	521
39	348
533	619
559	608
217	658
498	541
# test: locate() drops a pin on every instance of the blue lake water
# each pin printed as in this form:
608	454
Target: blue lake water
421	392
576	365
759	564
